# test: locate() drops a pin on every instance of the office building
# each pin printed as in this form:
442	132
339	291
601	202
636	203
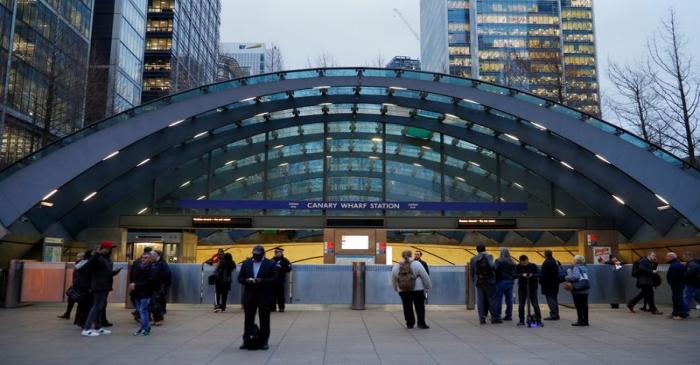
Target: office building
116	58
182	46
44	53
250	56
228	69
404	62
546	47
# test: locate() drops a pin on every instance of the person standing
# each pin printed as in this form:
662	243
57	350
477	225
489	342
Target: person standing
258	276
283	268
644	272
101	280
418	256
484	275
527	273
82	283
224	271
166	279
675	278
144	282
411	281
692	279
71	301
505	274
549	279
580	287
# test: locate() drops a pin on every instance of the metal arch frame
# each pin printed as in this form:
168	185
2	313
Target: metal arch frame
666	180
548	169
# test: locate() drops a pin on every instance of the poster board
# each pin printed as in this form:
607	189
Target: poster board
601	254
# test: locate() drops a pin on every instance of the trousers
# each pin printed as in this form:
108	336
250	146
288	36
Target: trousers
410	299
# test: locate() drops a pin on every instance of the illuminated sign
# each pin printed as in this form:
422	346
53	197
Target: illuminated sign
470	223
222	222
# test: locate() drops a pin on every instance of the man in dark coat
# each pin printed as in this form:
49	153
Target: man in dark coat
549	279
144	282
692	279
645	282
527	274
258	276
283	267
675	278
418	256
101	280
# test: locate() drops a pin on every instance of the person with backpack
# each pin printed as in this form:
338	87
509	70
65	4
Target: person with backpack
579	285
505	275
643	270
484	276
411	281
676	280
550	278
692	279
528	275
224	270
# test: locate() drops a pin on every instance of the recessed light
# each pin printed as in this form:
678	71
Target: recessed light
662	199
451	116
416	164
474	164
566	164
460	178
619	200
142	211
511	136
373	158
90	196
602	159
202	197
283	164
321	87
377	139
46	204
240	178
176	123
518	186
248	99
560	212
230	162
397	88
470	101
199	135
278	146
110	155
539	126
50	194
185	183
143	162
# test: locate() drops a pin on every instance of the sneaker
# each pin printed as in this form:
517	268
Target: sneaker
631	309
137	333
89	333
103	331
64	316
656	312
217	310
520	324
578	324
423	326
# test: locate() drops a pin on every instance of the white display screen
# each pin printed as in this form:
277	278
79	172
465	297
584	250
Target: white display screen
354	242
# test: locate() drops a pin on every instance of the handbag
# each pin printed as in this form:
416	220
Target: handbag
74	294
582	283
568	286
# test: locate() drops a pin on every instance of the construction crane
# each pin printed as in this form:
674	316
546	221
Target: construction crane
408	25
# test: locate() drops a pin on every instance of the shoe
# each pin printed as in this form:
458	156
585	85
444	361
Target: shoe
409	326
137	333
107	324
281	310
656	312
631	309
64	316
217	310
423	326
676	317
242	347
103	331
265	347
159	323
508	319
223	309
482	321
551	319
577	324
89	333
496	321
540	324
643	309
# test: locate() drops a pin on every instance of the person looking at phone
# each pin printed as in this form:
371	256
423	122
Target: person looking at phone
258	276
102	272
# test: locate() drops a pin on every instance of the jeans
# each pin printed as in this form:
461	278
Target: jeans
409	299
504	288
646	293
680	307
94	318
553	304
143	312
486	296
581	303
690	294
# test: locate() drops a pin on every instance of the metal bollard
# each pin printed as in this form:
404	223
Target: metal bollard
469	287
358	285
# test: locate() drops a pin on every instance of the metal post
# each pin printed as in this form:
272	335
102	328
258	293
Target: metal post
358	285
469	287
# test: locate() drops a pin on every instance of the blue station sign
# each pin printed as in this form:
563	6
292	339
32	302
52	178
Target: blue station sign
351	205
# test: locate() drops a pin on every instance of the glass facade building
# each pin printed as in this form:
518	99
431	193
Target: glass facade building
116	58
404	62
44	52
546	47
182	46
250	56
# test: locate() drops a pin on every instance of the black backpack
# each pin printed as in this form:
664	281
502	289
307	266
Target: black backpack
484	271
635	268
252	339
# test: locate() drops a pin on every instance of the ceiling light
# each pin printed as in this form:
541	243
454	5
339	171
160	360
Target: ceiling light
89	196
619	200
539	126
110	155
426	147
283	164
261	114
663	207
46	204
278	146
176	123
185	183
397	88
567	165
230	162
202	197
474	164
329	138
371	157
416	164
511	136
325	104
142	211
321	87
448	115
460	179
602	159
248	99
503	200
332	157
470	101
388	104
518	186
143	162
377	140
662	199
240	178
560	212
199	135
54	191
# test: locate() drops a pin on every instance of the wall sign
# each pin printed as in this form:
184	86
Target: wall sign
343	205
473	223
221	222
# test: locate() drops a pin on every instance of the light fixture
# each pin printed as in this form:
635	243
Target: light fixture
603	159
474	164
416	164
321	87
388	104
142	211
503	200
283	164
371	157
261	114
619	200
325	104
202	197
377	140
329	138
663	207
278	146
397	88
240	178
230	162
90	196
200	134
248	99
426	147
448	115
143	162
518	186
511	136
470	101
560	212
110	155
539	126
46	204
176	123
662	199
332	156
566	164
50	194
460	178
185	183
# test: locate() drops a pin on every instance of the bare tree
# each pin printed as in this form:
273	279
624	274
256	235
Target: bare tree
516	70
323	59
678	91
635	100
378	61
273	59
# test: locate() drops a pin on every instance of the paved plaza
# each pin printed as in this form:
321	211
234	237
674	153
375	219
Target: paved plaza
336	335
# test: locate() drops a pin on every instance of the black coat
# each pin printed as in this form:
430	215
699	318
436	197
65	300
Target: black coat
283	267
261	293
692	274
425	266
676	273
101	273
522	281
223	274
646	272
81	278
549	277
145	280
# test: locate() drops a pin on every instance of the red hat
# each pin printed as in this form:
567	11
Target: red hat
107	244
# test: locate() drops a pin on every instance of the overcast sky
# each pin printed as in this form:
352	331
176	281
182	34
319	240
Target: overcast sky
356	32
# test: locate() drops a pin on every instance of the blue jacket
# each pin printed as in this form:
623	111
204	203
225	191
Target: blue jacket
579	272
676	273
